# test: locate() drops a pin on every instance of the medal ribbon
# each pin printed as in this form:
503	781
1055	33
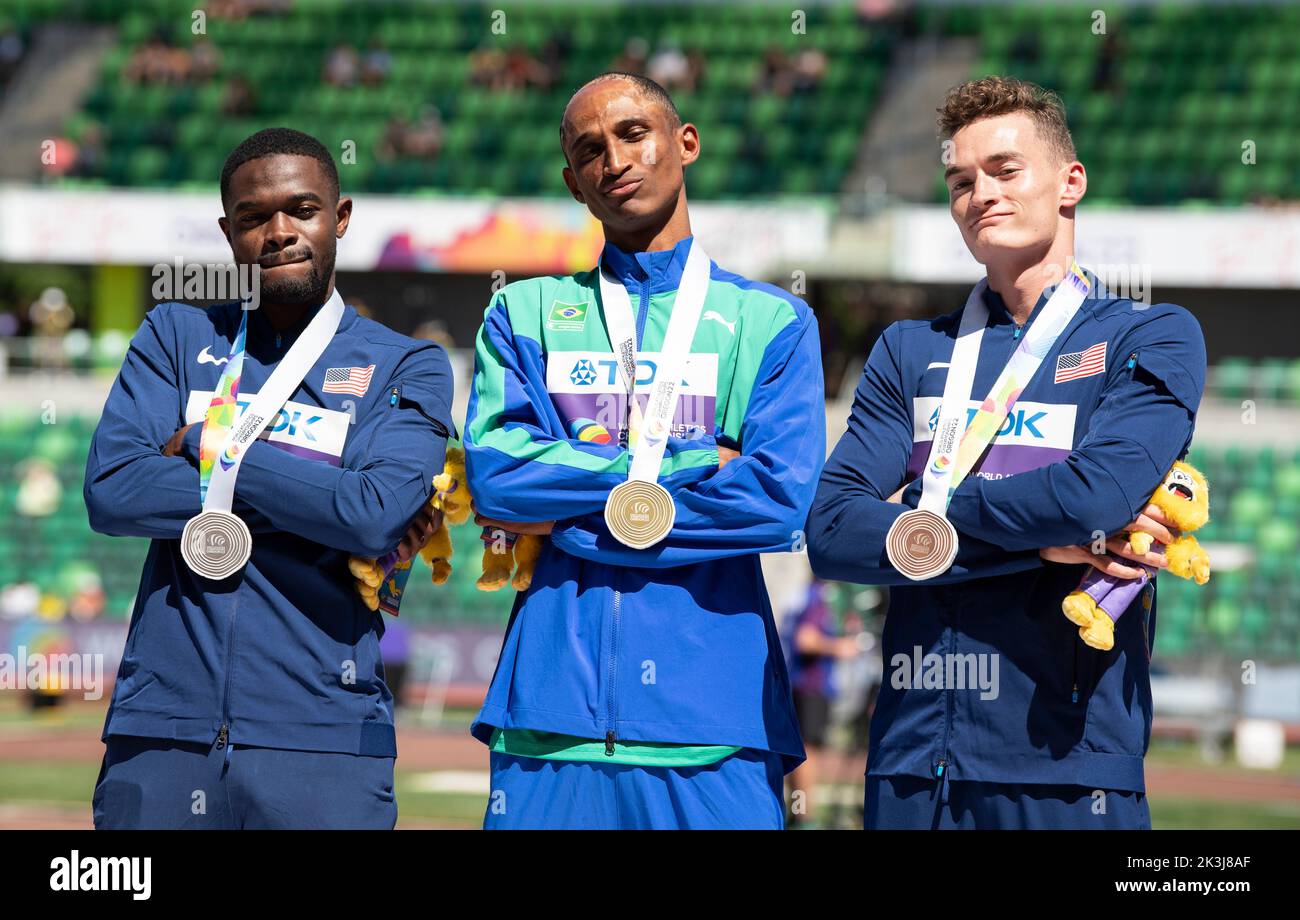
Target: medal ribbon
219	467
223	409
648	432
960	437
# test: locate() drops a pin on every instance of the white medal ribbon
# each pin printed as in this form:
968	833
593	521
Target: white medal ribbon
216	543
950	459
639	512
286	377
936	483
648	432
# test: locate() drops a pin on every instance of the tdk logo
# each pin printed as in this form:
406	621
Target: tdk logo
306	430
597	372
1028	424
288	420
583	374
1019	422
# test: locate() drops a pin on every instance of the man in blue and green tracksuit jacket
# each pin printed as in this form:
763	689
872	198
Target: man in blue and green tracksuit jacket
258	700
642	688
993	712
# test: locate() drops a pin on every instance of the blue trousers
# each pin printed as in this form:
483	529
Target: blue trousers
920	803
743	791
156	783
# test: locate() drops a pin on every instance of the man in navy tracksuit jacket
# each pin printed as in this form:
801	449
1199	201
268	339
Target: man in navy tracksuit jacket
1041	730
259	700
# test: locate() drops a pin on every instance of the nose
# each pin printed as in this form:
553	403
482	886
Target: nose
616	161
280	233
985	190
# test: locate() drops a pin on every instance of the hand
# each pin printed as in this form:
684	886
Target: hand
726	455
173	446
426	521
1073	555
1151	520
531	528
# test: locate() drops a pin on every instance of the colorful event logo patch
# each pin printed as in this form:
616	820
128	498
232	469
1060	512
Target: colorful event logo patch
587	429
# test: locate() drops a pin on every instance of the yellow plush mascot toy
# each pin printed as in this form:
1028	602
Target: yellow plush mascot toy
1100	599
507	557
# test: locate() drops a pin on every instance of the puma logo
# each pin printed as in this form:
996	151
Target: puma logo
717	317
205	357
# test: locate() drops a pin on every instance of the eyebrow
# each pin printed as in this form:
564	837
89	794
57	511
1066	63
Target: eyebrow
622	125
247	204
994	158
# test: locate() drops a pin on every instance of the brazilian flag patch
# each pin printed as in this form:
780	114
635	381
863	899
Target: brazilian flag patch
567	317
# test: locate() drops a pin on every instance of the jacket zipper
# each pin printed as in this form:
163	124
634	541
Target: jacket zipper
643	312
223	734
613	672
941	768
1074	692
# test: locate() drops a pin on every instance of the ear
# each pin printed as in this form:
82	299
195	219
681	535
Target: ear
572	184
688	141
1075	184
342	217
224	224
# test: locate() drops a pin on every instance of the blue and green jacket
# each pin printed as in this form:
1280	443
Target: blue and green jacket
676	643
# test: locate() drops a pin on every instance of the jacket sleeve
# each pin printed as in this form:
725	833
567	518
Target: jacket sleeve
521	463
1142	425
851	514
130	488
758	503
364	508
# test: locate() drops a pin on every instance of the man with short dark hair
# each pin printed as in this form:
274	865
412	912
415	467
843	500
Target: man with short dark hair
1067	405
258	448
662	420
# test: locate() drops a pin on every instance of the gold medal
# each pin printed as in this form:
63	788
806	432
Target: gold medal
921	544
639	514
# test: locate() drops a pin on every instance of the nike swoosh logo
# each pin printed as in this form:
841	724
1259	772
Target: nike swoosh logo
205	357
717	317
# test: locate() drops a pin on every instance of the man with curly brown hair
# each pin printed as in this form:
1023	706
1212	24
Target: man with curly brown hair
1066	404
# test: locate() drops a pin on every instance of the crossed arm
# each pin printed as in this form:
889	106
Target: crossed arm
1142	425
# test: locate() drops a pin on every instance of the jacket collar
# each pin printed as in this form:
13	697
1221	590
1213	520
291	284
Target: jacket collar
999	314
661	270
261	331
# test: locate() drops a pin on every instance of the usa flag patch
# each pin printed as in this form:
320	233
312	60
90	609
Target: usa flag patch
351	380
1084	363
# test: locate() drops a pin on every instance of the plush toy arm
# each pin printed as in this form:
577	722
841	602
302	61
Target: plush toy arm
1188	559
1140	542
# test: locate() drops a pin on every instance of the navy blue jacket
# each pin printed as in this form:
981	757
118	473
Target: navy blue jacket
1074	458
282	654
